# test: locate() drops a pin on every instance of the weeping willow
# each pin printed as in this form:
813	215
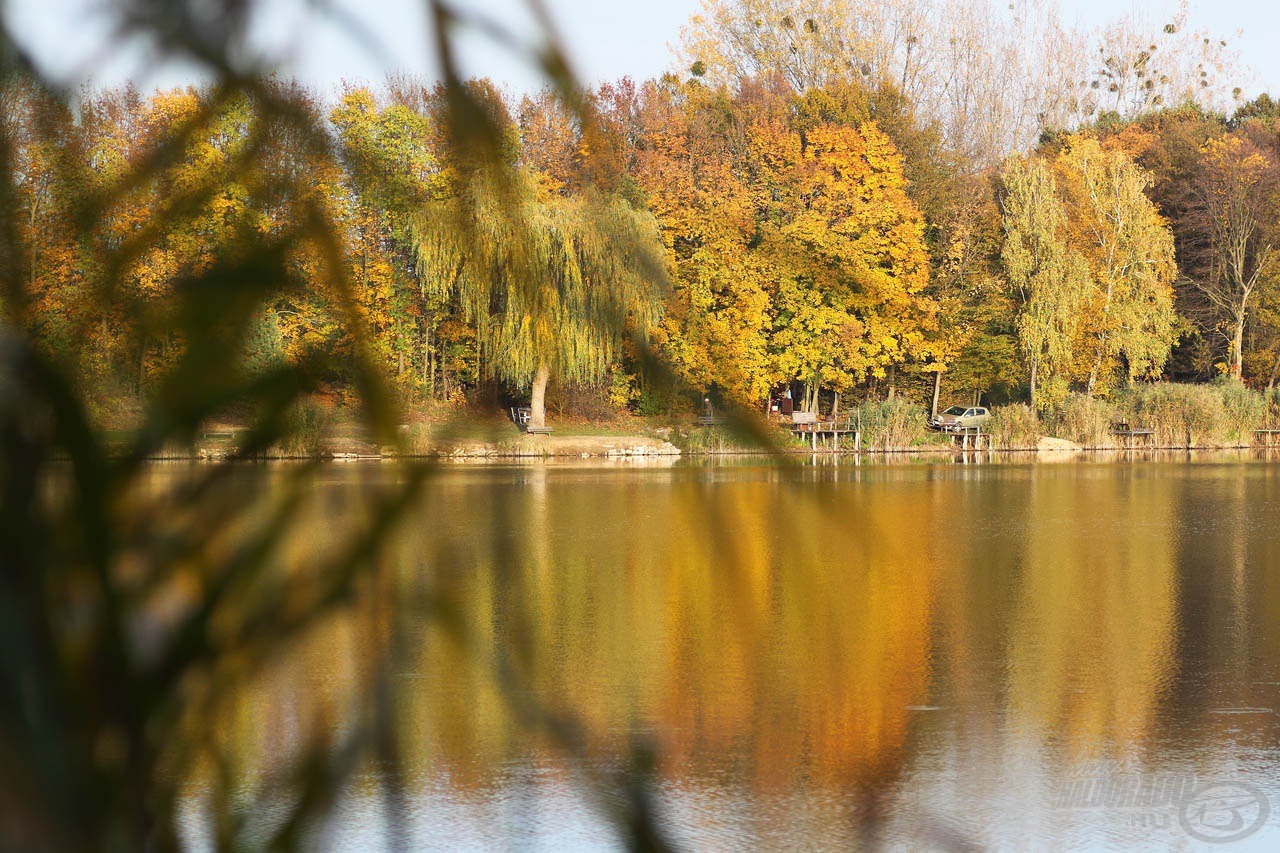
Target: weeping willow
555	285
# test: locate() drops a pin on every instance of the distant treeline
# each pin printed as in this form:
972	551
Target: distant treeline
776	214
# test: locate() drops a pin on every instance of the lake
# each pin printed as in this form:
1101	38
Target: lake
924	655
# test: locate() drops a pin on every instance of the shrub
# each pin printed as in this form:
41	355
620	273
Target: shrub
1271	409
307	424
1244	411
658	399
623	391
1086	421
712	439
891	424
1014	427
1180	415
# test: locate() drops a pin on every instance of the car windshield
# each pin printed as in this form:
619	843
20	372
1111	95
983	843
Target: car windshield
955	410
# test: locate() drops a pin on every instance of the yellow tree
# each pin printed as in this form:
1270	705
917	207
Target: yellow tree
1049	277
691	169
389	172
851	301
1129	319
44	149
200	141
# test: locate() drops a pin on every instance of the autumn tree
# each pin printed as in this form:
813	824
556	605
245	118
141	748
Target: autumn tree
1093	263
1129	319
553	284
798	253
46	155
1049	278
716	321
390	173
1167	144
975	347
850	302
1231	220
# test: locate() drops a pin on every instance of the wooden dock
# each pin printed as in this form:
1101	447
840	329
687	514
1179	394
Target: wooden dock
1131	437
826	435
969	438
1268	438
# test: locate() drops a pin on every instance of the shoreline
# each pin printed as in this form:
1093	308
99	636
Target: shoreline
568	448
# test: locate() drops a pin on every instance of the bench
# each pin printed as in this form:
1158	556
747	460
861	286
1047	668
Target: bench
520	416
1131	436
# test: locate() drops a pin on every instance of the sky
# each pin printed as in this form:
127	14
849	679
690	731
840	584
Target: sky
606	39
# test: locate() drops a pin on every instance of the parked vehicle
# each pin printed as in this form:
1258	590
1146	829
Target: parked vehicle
960	418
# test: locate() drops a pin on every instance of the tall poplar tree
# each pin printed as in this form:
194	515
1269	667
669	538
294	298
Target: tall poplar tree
1129	320
1048	276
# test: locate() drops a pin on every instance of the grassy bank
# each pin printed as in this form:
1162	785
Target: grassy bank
1215	415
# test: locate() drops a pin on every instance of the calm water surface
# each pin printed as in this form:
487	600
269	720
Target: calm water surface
1008	656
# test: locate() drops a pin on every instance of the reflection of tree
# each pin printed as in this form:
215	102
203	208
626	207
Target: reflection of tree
768	634
1090	650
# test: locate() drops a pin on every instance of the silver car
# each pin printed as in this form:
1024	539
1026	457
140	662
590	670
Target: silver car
960	418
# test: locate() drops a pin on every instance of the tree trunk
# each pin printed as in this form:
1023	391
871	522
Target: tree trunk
1035	369
835	406
142	364
428	364
937	390
538	399
1237	347
893	381
1093	373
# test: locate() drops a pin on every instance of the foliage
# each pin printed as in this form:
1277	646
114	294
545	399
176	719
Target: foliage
798	254
892	424
1128	320
554	285
156	240
623	391
1048	275
1092	263
1085	420
1180	415
1232	208
1014	427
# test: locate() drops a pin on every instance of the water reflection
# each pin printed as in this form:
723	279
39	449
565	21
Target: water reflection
821	655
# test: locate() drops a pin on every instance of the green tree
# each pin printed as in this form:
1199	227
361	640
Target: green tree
390	172
1049	278
1129	319
554	285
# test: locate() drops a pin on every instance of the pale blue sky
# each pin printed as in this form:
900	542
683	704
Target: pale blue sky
607	39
